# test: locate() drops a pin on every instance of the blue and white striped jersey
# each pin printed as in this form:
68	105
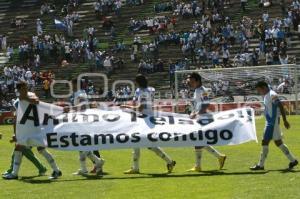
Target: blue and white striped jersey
271	107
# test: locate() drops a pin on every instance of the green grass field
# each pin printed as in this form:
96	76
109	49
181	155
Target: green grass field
235	181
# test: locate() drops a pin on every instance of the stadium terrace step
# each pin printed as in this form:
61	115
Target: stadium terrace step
88	17
3	59
83	12
4	6
87	4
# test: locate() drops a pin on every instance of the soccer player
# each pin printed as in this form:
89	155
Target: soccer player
273	109
79	101
200	104
27	152
143	101
22	89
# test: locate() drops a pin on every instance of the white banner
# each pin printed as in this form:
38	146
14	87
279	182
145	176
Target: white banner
46	125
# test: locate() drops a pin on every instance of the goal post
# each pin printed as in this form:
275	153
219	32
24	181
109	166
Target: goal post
237	85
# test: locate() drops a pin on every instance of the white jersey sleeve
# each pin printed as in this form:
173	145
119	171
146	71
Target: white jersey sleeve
78	97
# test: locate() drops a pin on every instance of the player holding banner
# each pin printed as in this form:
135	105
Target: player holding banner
200	104
79	101
22	89
273	109
143	102
26	151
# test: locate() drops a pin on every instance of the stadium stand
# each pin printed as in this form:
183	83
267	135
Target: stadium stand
26	13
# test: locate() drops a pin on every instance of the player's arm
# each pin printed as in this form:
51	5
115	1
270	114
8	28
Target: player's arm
75	108
136	105
283	114
139	107
194	113
14	138
81	106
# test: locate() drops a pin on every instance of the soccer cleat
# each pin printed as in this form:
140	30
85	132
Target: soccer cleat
222	160
99	167
195	169
102	161
81	173
42	172
55	174
171	166
99	172
257	168
6	173
132	171
293	164
10	176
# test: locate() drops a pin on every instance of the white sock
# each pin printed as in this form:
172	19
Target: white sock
198	157
17	162
49	159
213	151
263	156
94	158
287	153
158	151
82	160
136	159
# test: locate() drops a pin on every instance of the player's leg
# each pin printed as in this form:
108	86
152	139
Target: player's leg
27	152
283	147
267	137
217	154
198	158
263	156
56	172
16	165
97	161
96	153
264	153
82	160
163	155
8	171
135	169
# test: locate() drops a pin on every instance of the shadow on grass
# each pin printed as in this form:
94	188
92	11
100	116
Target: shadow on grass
45	181
212	173
139	176
285	171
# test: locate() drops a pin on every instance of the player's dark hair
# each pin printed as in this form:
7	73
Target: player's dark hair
141	80
196	77
21	84
261	84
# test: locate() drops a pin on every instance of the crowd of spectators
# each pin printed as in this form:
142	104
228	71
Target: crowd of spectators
13	74
122	94
152	24
213	40
150	66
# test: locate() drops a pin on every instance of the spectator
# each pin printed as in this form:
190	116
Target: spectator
46	88
39	28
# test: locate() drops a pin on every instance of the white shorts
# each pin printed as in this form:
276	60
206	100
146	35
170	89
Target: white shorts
273	132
